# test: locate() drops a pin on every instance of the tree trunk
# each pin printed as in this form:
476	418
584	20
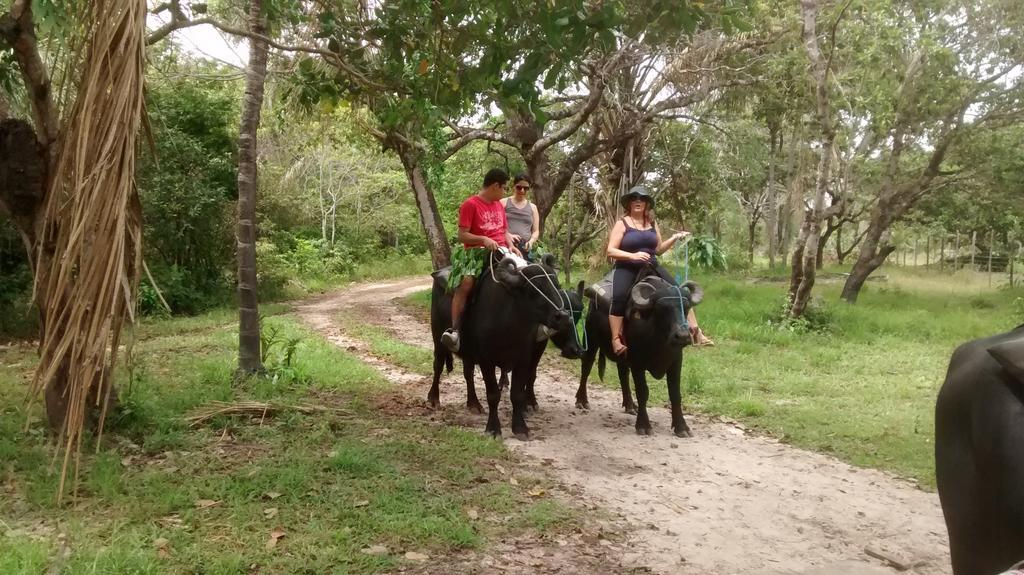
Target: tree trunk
751	240
430	219
23	185
830	228
872	255
249	358
771	214
800	294
537	167
790	213
796	273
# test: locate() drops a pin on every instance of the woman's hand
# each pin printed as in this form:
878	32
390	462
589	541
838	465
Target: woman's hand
640	257
529	244
680	235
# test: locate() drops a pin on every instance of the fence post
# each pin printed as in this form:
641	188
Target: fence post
991	244
956	258
915	251
1011	255
974	244
942	253
928	252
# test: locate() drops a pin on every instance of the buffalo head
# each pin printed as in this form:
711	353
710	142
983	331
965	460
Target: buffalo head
666	305
538	283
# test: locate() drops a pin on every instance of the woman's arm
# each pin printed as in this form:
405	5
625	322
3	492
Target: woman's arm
663	246
615	240
536	226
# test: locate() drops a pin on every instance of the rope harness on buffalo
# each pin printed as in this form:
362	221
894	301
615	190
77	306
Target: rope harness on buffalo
682	307
547	275
577	326
564	301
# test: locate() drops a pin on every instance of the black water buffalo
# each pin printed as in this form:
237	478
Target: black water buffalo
979	454
500	331
573	301
656	333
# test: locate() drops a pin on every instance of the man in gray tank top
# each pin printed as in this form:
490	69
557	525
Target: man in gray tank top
523	218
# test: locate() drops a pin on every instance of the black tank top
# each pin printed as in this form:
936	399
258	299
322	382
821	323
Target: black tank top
634	240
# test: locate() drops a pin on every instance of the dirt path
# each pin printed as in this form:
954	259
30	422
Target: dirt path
722	502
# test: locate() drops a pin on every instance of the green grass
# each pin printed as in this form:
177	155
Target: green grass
857	381
336	482
410	357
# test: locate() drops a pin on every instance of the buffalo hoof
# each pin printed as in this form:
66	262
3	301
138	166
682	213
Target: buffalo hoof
523	436
433	402
532	408
582	404
495	433
630	409
643	430
474	407
683	432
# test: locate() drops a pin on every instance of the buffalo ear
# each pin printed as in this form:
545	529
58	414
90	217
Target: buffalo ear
641	295
549	260
1010	355
579	289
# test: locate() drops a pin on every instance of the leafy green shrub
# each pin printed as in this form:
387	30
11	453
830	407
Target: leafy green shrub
706	253
274	269
185	291
187	190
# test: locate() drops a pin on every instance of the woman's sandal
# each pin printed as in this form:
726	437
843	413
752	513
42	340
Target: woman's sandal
619	349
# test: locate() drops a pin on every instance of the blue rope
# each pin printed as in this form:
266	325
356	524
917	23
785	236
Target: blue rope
585	344
682	312
686	262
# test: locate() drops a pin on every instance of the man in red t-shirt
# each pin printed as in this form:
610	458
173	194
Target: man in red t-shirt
482	230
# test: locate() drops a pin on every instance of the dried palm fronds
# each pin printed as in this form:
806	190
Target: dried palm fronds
89	253
251	408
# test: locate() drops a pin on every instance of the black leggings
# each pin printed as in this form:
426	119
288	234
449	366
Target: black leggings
623	278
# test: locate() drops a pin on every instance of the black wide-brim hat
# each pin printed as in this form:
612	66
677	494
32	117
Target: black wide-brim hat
637	193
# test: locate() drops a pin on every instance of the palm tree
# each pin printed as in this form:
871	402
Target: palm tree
249	359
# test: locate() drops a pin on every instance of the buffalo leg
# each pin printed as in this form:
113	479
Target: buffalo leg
531	394
434	395
503	380
586	364
643	422
472	403
675	398
493	399
627	397
520	376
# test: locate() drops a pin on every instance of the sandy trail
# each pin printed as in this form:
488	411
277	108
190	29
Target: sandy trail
722	502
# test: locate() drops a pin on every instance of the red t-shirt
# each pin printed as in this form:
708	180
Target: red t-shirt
483	218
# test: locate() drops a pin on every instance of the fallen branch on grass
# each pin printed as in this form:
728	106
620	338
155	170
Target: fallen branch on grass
252	408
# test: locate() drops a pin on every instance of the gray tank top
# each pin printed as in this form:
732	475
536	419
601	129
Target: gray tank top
520	220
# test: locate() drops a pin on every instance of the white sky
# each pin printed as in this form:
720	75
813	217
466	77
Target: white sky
205	42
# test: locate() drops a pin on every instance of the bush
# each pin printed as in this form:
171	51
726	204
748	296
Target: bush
706	253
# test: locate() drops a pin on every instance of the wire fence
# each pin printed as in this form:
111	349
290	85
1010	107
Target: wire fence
987	252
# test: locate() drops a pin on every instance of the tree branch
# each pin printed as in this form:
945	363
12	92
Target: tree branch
179	21
468	136
18	30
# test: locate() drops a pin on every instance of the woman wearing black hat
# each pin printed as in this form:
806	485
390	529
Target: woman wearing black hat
635	241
